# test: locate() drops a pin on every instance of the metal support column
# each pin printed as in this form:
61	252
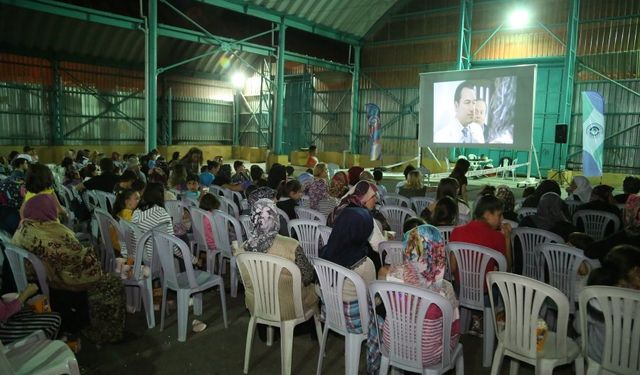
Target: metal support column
169	117
56	102
464	38
279	125
237	94
151	92
569	71
355	102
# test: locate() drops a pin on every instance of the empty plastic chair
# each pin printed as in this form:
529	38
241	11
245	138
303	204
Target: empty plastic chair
106	224
523	300
247	226
406	308
391	199
226	224
37	355
420	203
16	257
620	308
306	232
390	252
596	222
261	274
333	279
528	239
190	283
310	214
472	261
396	216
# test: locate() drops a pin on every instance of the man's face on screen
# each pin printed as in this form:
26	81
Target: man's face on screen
466	106
480	111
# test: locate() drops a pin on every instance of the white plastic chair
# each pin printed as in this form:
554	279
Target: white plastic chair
175	209
391	199
106	223
572	205
472	261
216	190
306	232
595	222
514	224
229	207
304	201
136	244
37	355
223	223
420	203
393	250
396	216
563	262
264	272
105	200
200	238
247	226
186	284
332	278
523	299
324	232
16	257
621	310
406	308
310	214
526	211
529	238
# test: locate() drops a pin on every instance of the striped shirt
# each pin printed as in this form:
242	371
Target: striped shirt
148	219
327	205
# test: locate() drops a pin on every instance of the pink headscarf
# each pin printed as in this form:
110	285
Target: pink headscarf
42	207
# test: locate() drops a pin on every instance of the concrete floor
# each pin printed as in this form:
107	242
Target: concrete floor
221	351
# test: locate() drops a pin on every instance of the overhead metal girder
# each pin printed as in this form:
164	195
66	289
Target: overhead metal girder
278	17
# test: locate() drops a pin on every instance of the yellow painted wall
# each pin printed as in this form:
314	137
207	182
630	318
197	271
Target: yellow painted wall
611	179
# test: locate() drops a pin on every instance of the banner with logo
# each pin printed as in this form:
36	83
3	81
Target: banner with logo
373	121
592	133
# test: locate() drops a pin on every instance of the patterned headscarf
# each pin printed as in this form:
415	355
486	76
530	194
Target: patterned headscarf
632	214
317	191
338	184
263	192
424	256
42	207
266	225
506	195
550	211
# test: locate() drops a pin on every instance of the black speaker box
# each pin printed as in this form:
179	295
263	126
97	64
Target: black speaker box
561	133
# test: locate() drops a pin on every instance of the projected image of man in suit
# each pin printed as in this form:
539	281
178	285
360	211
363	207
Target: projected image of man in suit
462	128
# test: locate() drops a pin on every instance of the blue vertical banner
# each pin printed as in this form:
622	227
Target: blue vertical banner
592	133
373	121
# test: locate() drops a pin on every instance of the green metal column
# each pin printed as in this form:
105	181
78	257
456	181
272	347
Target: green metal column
464	38
151	77
573	24
169	117
56	99
236	117
355	101
279	125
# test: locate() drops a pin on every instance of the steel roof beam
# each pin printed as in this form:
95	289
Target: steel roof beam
288	20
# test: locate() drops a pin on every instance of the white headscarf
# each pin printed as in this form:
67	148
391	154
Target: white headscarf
583	188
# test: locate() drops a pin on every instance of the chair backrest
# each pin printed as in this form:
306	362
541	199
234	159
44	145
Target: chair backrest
332	279
229	207
563	262
595	222
420	203
90	199
197	224
529	238
396	216
324	232
526	211
472	261
285	217
393	250
16	257
514	224
164	247
217	190
304	201
224	225
310	214
264	271
106	223
406	307
306	231
105	200
621	310
391	199
135	243
247	226
175	210
523	298
572	205
446	230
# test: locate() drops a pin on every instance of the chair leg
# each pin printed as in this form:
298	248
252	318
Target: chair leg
465	318
197	304
183	314
384	365
579	363
514	366
147	300
233	268
251	330
460	364
286	346
353	345
489	338
497	359
544	367
323	343
163	309
223	302
269	335
316	320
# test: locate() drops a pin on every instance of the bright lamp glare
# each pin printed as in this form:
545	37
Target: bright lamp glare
238	79
519	18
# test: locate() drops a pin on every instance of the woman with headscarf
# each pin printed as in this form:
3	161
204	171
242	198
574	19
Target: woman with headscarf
72	267
551	216
546	186
354	174
319	198
630	235
579	189
265	239
423	265
339	185
506	196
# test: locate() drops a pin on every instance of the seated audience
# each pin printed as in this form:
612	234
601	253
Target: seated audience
133	164
413	187
288	196
449	187
412	222
629	235
377	177
125	181
209	202
506	196
339	185
445	213
552	216
38	181
18	321
257	176
354	174
601	200
459	173
320	171
406	171
630	186
277	174
241	174
546	186
579	189
193	187
12	192
206	177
